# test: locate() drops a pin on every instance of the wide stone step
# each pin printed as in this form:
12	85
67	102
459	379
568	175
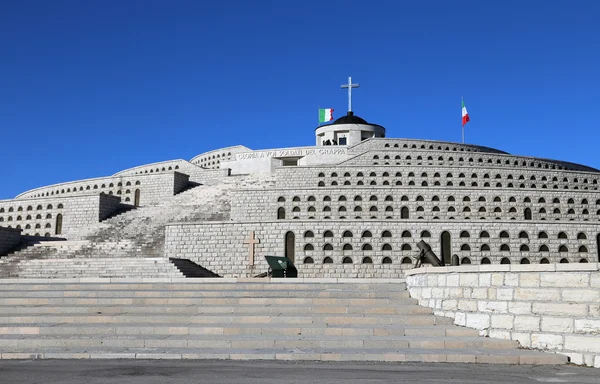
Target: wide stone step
196	285
264	295
449	330
12	343
324	319
198	301
191	309
481	356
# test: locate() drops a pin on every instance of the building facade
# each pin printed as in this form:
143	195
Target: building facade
354	205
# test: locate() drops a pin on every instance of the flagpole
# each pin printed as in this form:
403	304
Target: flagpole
463	126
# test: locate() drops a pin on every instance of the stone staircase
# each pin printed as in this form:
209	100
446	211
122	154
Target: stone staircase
190	269
136	233
248	319
64	259
126	267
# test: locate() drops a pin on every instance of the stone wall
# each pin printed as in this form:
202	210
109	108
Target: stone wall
82	211
322	249
433	203
553	307
458	150
196	173
42	216
385	143
476	176
389	156
107	206
9	239
153	187
205	176
503	235
213	159
200	239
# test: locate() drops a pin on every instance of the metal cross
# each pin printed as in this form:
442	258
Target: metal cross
251	241
350	86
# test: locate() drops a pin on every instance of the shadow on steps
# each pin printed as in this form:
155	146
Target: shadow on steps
191	185
191	269
124	208
29	241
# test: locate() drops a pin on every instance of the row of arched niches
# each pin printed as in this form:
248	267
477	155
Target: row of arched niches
436	204
392	246
460	203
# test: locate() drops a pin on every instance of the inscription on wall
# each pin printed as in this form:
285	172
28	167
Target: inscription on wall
292	153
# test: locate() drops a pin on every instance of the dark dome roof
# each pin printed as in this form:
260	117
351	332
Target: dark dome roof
350	118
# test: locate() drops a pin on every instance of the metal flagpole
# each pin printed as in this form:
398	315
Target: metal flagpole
463	126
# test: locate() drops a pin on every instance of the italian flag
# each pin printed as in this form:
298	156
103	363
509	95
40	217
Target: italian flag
465	114
325	115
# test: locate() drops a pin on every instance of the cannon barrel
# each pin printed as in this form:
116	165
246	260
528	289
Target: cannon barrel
428	254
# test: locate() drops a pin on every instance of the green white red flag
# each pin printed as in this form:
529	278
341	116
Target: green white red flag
465	114
325	115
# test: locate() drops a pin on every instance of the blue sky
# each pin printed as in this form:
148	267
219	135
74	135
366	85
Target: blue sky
88	88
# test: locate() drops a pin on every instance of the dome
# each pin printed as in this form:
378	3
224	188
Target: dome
350	118
347	130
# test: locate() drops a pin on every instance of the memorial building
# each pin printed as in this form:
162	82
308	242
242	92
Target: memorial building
353	205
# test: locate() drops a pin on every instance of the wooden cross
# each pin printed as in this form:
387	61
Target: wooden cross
251	241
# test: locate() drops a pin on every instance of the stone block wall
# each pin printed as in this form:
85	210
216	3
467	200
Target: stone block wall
107	205
433	203
322	249
196	173
473	241
384	143
153	187
180	182
56	216
82	211
461	150
417	175
554	307
390	156
9	239
213	159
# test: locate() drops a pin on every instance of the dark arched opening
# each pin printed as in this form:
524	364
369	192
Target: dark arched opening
404	213
598	246
290	245
58	226
527	214
136	198
446	247
281	213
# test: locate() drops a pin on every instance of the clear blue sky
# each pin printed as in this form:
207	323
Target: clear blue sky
88	88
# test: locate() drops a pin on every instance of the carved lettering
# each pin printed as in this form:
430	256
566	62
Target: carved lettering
300	152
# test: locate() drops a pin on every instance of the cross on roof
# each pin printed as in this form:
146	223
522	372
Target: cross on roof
350	86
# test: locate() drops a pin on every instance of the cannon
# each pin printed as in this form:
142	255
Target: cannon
427	254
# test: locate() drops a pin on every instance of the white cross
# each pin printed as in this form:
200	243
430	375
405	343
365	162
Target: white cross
350	86
251	241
